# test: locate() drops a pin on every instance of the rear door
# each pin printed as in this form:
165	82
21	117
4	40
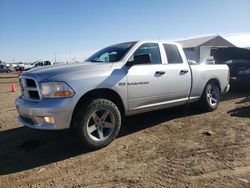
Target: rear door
178	76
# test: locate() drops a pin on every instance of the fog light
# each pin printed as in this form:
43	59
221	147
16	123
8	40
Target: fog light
48	119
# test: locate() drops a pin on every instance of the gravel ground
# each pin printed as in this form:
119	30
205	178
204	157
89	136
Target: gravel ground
177	147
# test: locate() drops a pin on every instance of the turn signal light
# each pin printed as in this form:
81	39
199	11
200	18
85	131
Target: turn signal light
63	94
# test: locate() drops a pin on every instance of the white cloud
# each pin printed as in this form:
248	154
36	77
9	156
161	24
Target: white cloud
239	39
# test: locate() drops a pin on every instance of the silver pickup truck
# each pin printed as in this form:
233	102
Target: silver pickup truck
123	79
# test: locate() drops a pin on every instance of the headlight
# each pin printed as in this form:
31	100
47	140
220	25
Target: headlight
56	90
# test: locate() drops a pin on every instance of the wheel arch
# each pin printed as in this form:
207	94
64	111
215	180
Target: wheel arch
104	93
214	80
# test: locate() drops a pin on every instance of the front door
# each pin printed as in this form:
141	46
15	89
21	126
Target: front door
146	82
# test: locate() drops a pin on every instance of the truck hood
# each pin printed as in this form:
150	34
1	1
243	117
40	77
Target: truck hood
50	73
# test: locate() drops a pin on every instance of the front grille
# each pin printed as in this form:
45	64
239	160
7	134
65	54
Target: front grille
29	88
30	83
27	120
34	94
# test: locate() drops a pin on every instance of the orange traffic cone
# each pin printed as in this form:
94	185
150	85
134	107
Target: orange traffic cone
13	87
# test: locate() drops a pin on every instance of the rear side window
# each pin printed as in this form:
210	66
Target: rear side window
172	54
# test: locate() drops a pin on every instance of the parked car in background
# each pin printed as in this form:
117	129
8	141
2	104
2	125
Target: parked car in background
239	72
35	64
7	69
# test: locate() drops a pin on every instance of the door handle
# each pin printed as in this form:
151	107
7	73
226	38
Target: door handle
159	73
183	72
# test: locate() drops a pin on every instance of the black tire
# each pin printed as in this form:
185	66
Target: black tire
82	118
205	101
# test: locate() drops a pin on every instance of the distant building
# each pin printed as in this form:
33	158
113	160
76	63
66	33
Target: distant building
198	49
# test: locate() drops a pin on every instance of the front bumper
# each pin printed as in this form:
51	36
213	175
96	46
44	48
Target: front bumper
32	113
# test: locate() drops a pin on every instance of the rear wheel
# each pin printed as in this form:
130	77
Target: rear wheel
211	96
98	122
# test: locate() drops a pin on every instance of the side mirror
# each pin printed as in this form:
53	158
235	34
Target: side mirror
140	59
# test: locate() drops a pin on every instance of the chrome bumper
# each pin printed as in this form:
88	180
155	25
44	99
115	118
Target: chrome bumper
32	113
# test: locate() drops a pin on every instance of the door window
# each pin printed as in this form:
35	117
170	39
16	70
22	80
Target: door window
149	48
172	54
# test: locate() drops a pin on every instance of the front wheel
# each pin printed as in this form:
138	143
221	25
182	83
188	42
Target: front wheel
211	97
98	122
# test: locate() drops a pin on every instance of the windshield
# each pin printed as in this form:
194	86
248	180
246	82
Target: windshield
112	53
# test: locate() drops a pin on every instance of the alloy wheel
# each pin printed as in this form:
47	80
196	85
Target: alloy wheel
100	124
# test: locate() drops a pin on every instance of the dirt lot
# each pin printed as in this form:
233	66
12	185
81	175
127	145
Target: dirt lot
168	148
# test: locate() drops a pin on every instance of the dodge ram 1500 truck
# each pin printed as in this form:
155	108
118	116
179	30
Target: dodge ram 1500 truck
117	81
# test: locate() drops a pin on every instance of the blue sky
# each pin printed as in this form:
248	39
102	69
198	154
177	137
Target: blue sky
41	29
